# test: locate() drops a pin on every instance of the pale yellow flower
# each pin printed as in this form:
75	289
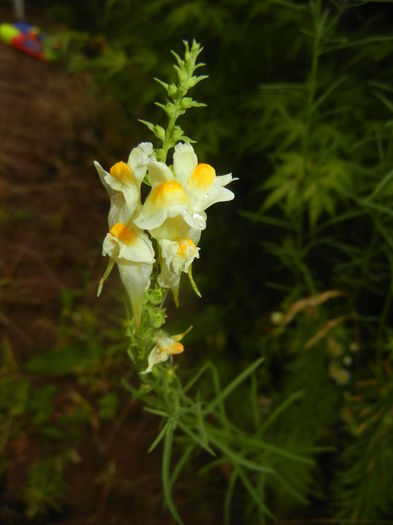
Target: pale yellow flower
177	257
200	181
165	346
123	183
181	193
167	200
133	252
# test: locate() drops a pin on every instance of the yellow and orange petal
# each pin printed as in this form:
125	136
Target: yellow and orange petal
121	232
202	177
185	246
122	171
171	349
169	193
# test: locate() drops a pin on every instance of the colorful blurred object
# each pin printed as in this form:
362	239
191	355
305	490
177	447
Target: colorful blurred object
29	39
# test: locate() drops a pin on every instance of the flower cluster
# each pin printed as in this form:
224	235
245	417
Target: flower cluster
173	214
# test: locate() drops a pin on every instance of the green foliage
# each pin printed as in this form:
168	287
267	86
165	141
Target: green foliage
27	407
364	483
330	164
153	318
30	407
192	422
45	487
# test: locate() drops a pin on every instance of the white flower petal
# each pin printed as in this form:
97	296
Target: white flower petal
138	247
102	174
133	252
139	158
123	189
195	219
205	188
184	162
223	180
168	279
118	211
136	279
147	221
165	347
159	172
131	197
216	194
154	358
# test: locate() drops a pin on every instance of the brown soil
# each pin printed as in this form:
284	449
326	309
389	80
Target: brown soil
52	221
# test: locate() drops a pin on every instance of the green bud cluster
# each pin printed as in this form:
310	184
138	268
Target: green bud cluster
177	102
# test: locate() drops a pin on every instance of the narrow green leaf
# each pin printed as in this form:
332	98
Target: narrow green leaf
149	125
196	377
387	178
182	462
228	497
163	84
156	412
159	437
200	421
258	499
165	472
265	219
232	385
237	458
328	92
196	438
178	59
280	409
388	103
289	488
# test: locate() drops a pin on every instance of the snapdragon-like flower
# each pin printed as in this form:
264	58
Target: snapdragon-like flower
165	346
200	181
133	252
181	193
167	200
177	257
123	183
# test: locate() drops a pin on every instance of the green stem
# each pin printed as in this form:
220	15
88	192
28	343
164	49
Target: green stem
168	134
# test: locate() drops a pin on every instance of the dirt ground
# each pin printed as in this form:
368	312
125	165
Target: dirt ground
52	221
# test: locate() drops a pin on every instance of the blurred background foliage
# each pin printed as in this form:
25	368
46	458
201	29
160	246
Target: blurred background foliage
299	268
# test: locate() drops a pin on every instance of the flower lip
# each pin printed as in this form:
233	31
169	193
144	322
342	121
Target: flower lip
202	177
128	244
122	172
124	234
168	193
185	247
170	347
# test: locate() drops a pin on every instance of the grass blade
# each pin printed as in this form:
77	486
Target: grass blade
228	498
159	437
233	385
257	499
166	475
280	409
182	461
